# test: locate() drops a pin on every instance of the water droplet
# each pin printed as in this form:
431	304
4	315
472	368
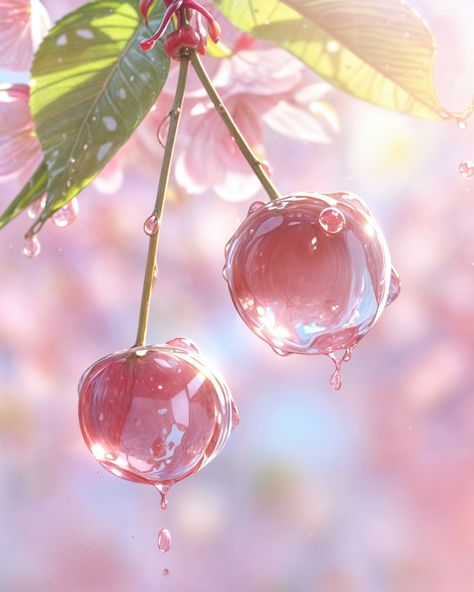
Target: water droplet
36	207
166	572
67	214
395	287
462	123
164	540
32	247
184	343
72	160
163	491
332	220
336	378
466	169
348	354
151	225
254	207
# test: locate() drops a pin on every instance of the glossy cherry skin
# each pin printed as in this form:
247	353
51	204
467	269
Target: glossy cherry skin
309	273
155	414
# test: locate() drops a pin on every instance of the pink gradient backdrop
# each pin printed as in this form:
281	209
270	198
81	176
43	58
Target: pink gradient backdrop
367	490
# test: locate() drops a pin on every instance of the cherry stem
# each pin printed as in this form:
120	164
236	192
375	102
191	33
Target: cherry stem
175	116
254	162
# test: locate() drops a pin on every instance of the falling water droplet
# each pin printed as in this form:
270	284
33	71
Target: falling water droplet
255	206
67	214
466	169
151	225
462	123
164	540
32	247
166	572
36	207
332	220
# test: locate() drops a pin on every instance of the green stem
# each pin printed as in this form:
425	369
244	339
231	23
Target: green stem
175	115
254	162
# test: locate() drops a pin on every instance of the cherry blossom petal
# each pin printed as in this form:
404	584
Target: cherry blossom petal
311	93
266	72
237	186
20	151
295	122
23	24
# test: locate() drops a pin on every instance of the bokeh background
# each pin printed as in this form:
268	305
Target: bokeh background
367	490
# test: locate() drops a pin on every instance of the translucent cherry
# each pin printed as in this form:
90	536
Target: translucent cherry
309	274
155	414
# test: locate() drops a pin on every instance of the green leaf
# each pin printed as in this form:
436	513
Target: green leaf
381	51
91	87
33	190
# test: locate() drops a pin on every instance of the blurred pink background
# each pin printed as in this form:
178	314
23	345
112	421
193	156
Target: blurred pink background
366	490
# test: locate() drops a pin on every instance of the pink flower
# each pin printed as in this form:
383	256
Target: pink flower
261	87
20	151
23	24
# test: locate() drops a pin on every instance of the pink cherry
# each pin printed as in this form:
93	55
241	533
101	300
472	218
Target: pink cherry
154	414
309	273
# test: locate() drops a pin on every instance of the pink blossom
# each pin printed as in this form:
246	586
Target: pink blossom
261	87
20	151
23	24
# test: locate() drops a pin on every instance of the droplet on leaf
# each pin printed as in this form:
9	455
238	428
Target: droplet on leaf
36	207
32	247
67	214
